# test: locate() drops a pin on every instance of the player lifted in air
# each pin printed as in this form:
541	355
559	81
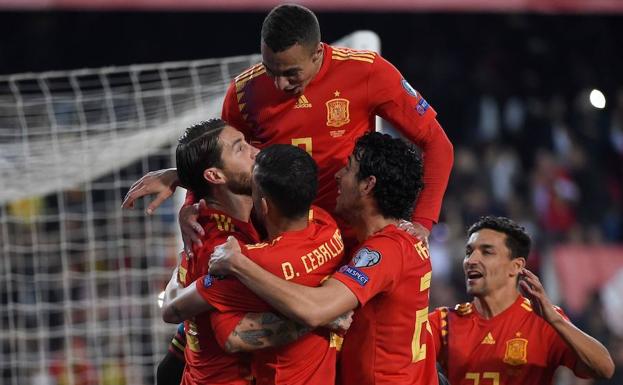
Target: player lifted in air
322	98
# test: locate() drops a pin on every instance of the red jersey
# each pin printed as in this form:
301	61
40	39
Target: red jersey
339	106
206	362
389	341
306	257
515	347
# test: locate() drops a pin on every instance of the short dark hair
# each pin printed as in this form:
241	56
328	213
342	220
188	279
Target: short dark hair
289	24
199	148
517	240
397	167
288	177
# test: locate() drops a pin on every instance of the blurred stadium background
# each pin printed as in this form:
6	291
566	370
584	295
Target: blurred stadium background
530	93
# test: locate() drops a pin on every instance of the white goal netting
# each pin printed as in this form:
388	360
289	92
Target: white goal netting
79	277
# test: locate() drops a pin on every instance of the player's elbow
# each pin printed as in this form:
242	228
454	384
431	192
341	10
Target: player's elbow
311	322
169	315
314	319
606	369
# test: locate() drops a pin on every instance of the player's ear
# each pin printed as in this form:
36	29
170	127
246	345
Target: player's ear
317	52
367	184
264	206
214	175
517	264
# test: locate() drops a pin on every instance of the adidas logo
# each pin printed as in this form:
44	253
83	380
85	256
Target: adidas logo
302	102
488	340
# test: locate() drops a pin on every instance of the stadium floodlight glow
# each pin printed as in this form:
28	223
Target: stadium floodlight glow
597	98
161	299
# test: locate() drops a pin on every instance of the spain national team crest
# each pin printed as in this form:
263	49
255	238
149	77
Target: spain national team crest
516	351
337	112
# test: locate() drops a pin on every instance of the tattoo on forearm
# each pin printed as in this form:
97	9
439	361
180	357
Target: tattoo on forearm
270	318
261	330
253	337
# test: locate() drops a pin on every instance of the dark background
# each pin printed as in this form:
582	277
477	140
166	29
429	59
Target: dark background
448	57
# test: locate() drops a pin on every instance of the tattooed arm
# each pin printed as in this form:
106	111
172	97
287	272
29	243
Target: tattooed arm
264	330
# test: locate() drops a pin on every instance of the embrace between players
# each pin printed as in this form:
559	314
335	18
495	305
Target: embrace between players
281	307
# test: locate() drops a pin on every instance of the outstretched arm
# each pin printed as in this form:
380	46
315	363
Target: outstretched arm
310	306
161	182
594	359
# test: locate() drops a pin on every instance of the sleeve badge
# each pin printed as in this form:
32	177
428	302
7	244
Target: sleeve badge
410	90
366	258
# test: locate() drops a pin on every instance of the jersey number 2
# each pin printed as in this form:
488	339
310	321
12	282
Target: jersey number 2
418	349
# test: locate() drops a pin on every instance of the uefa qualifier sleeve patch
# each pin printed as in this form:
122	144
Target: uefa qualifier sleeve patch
366	258
354	273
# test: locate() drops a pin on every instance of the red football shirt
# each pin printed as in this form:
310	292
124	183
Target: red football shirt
515	347
306	257
206	362
389	341
338	106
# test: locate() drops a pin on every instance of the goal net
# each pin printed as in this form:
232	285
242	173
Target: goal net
79	277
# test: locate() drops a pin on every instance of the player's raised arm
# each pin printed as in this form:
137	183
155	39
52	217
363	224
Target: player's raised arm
393	98
594	359
161	182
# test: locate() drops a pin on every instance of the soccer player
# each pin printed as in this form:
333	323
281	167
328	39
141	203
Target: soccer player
303	245
214	161
322	98
502	337
388	277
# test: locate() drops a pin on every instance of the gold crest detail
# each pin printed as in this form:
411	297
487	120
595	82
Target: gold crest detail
516	351
337	112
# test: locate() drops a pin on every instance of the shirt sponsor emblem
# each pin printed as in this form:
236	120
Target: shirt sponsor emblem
338	113
207	281
516	351
360	277
410	90
366	258
488	340
302	102
422	106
